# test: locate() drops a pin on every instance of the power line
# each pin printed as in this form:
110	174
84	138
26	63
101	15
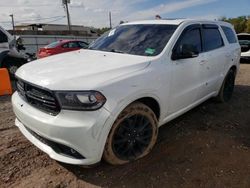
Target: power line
54	20
26	5
110	20
37	19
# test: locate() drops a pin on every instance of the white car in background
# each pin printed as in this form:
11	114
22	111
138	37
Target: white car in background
10	57
108	101
244	40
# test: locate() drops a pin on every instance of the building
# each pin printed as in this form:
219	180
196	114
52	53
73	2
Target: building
54	28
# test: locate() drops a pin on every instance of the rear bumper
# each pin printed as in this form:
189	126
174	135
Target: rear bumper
84	132
245	57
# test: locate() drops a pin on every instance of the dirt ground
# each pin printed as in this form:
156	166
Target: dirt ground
207	147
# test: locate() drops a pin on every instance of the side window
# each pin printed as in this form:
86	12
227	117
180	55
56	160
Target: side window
191	38
229	34
73	45
212	39
65	45
3	37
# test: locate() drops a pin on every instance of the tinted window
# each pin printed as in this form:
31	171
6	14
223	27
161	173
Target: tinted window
73	45
244	41
192	38
83	44
229	34
65	45
212	39
145	40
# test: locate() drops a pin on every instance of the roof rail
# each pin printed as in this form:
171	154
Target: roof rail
173	18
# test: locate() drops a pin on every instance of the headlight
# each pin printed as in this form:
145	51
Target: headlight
82	100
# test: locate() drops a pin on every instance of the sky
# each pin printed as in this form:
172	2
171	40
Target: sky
95	12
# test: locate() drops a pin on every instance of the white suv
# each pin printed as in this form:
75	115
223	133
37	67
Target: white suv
244	40
10	57
108	101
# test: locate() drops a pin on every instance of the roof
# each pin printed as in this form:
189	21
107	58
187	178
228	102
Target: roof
176	22
243	34
160	21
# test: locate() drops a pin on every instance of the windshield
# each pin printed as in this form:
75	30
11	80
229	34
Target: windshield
144	40
53	44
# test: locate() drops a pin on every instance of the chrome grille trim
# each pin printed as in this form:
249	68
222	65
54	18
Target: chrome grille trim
38	97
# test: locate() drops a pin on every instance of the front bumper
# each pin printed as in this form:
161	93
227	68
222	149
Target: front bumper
245	57
84	132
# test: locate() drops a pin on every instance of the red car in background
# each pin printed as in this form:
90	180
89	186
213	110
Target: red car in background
61	46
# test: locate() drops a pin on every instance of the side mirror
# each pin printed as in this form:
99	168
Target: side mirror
185	51
20	47
3	38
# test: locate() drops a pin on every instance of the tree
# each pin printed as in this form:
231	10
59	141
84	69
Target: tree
248	25
100	31
240	23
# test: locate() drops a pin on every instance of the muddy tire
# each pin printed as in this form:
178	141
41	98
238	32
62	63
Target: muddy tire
132	136
227	87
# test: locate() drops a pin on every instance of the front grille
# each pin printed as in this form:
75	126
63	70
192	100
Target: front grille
58	148
39	98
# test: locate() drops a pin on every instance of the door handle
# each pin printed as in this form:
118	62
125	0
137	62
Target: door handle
203	62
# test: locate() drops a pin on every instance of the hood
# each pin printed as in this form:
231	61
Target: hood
80	70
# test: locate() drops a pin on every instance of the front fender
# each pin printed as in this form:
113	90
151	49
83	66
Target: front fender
123	103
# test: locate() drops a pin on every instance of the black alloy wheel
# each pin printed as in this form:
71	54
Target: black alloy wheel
132	137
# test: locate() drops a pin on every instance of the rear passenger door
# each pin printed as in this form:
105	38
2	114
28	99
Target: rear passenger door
214	59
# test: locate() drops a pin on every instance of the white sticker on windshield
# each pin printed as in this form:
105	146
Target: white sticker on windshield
112	32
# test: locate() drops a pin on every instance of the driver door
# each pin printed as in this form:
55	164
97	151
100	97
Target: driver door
186	82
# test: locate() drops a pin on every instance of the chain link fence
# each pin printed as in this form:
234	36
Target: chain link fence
32	43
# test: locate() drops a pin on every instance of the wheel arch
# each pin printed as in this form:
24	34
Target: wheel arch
234	68
152	103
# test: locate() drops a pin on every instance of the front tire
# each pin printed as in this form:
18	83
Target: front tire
132	136
227	87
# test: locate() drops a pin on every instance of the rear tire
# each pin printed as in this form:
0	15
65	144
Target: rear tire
132	136
227	87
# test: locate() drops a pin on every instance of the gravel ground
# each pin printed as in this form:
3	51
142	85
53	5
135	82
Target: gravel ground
206	147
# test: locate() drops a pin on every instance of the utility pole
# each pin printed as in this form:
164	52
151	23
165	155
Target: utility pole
13	25
66	2
110	20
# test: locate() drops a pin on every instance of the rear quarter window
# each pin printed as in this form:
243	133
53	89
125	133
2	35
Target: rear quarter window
212	39
229	34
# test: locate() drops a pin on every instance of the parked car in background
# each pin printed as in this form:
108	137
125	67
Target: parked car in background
10	56
61	46
244	40
109	100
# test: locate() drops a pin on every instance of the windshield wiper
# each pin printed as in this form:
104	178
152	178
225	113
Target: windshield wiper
117	51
